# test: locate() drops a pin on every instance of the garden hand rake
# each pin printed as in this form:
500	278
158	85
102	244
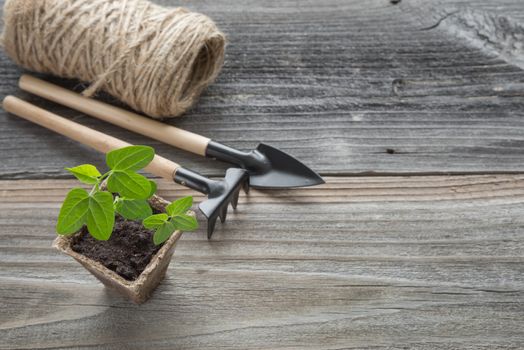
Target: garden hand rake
220	192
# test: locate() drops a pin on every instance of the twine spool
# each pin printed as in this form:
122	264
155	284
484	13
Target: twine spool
155	59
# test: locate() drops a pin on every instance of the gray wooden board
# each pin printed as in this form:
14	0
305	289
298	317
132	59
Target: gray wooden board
337	83
419	262
424	262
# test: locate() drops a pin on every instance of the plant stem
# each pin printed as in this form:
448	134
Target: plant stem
96	187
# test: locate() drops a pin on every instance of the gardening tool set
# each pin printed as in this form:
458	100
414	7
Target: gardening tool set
264	167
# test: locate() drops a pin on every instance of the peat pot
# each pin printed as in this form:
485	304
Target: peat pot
140	289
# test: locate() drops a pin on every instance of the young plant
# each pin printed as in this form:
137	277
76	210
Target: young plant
176	218
127	194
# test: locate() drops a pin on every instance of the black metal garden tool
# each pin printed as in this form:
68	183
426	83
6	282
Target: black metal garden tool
220	192
266	166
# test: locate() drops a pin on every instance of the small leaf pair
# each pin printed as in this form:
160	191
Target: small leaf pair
175	219
135	209
124	162
123	178
81	208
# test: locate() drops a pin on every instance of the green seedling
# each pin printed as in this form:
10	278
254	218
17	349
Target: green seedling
176	218
127	194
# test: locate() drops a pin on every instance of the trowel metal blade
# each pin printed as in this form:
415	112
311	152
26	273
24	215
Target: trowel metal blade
284	171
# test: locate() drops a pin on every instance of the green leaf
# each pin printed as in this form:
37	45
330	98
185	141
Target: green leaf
101	215
133	209
163	233
155	221
128	184
130	158
73	212
86	173
180	206
153	188
185	222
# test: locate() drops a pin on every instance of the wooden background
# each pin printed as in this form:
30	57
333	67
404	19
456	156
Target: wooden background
413	111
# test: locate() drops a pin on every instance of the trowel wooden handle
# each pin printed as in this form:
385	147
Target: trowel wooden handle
95	139
160	131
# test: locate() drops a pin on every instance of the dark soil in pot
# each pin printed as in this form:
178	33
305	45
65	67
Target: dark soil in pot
127	252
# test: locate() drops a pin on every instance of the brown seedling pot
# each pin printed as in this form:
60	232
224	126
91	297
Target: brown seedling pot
140	289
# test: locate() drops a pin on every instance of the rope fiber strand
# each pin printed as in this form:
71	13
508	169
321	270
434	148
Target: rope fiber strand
155	59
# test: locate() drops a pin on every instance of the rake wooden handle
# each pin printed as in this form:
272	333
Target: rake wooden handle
128	120
101	142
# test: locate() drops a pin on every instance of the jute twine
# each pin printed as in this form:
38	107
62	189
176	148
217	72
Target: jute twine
156	59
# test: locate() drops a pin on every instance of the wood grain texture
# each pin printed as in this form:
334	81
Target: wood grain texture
425	262
350	87
346	86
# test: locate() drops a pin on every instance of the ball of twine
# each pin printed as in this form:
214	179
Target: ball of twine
155	59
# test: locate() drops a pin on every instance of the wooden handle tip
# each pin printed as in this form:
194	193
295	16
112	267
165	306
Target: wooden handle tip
22	79
8	100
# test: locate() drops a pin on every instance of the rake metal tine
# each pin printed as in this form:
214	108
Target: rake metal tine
234	201
211	226
223	213
245	186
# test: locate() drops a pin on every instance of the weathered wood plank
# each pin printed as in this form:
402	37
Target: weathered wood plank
338	84
426	262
